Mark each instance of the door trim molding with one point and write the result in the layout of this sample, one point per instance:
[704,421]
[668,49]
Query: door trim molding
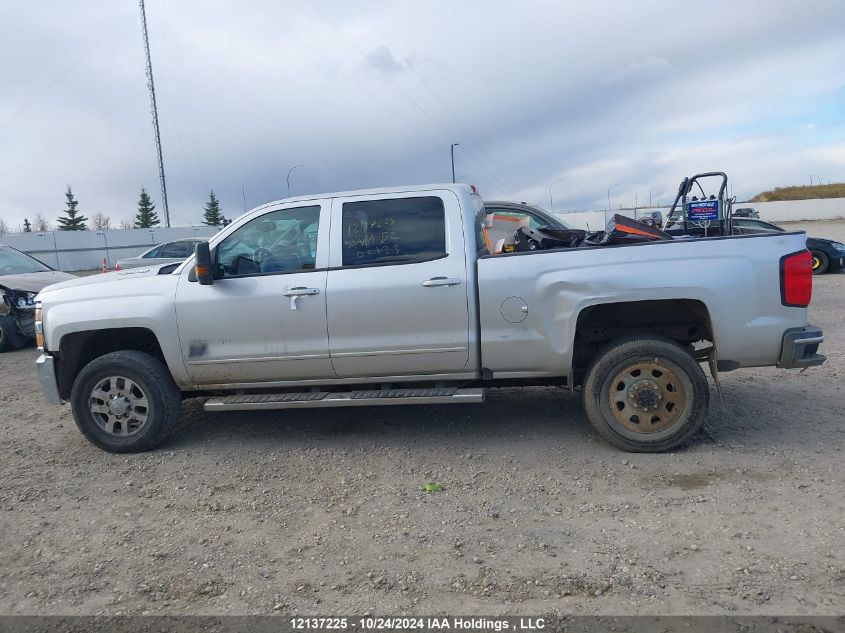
[388,352]
[259,359]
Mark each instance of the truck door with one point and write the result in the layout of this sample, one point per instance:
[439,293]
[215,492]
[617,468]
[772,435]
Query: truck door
[263,320]
[397,287]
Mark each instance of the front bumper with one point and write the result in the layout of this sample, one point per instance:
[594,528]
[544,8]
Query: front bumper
[46,370]
[800,348]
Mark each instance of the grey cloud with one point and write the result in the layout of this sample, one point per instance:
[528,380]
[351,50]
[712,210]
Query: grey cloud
[645,69]
[382,59]
[532,92]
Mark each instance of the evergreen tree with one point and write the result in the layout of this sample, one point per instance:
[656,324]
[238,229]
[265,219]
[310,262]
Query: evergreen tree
[147,217]
[74,220]
[27,227]
[212,215]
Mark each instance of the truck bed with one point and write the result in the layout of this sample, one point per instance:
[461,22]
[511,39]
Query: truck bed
[736,278]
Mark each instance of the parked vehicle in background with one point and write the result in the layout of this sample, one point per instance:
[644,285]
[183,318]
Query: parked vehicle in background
[21,278]
[391,296]
[746,212]
[827,254]
[167,253]
[652,218]
[503,218]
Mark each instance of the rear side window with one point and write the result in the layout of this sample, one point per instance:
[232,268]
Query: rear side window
[393,231]
[174,249]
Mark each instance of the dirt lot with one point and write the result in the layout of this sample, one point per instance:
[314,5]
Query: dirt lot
[323,511]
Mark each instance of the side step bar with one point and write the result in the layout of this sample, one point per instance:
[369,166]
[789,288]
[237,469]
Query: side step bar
[315,399]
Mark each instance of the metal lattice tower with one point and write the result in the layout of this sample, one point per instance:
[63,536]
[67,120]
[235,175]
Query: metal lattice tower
[151,86]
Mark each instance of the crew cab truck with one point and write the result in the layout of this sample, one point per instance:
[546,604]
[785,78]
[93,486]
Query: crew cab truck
[391,296]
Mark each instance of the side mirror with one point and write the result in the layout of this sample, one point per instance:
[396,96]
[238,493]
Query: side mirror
[202,266]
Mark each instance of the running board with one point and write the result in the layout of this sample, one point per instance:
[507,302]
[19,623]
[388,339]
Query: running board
[316,399]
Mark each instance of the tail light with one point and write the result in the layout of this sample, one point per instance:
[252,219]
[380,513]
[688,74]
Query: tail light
[117,267]
[796,279]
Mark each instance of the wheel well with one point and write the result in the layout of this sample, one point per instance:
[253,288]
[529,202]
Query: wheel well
[685,321]
[78,349]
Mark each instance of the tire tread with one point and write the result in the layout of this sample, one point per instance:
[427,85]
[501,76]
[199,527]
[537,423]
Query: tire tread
[158,377]
[610,355]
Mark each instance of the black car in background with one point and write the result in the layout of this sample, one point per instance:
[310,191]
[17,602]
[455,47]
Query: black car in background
[746,212]
[827,254]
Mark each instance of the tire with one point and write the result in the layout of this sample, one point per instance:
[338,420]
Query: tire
[10,337]
[820,262]
[137,399]
[645,394]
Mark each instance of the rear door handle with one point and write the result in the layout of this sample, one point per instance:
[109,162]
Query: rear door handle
[299,291]
[441,281]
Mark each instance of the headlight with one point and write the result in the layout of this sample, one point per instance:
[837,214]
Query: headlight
[25,300]
[838,246]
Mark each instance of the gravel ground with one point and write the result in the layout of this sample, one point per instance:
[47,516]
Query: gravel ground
[323,511]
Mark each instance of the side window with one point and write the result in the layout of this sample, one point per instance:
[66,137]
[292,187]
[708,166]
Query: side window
[502,225]
[518,218]
[152,253]
[749,228]
[393,231]
[174,249]
[278,242]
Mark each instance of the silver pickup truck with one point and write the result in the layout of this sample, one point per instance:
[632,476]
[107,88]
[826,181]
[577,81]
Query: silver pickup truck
[391,296]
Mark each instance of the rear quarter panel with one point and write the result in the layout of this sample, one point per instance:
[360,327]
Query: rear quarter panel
[737,279]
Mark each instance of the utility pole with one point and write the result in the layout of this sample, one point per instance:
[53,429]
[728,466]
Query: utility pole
[452,151]
[289,173]
[551,200]
[151,86]
[615,184]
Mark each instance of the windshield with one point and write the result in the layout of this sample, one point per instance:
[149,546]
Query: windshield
[14,262]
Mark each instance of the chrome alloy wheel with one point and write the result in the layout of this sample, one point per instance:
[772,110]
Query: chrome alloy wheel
[647,397]
[119,406]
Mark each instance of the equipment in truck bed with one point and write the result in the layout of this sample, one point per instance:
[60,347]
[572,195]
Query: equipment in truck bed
[708,215]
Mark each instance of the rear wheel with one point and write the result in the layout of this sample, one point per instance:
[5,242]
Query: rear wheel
[125,402]
[645,394]
[820,262]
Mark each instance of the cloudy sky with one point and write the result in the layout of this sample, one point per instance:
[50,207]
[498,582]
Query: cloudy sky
[366,93]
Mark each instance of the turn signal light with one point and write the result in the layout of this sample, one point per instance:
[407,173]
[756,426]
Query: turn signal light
[39,329]
[796,279]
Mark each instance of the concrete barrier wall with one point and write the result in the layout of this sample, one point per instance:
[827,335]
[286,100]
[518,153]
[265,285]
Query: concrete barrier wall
[785,211]
[794,210]
[85,250]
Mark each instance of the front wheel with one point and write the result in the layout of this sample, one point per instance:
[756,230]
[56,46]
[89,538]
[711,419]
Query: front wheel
[820,262]
[645,394]
[125,402]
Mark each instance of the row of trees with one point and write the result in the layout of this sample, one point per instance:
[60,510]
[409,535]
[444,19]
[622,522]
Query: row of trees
[146,217]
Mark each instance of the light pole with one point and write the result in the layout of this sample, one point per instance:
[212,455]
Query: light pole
[452,152]
[649,196]
[551,200]
[615,184]
[290,171]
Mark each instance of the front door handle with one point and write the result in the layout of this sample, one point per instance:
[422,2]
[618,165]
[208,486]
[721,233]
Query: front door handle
[434,282]
[299,291]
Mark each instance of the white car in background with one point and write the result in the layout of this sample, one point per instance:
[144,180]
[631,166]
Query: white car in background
[167,253]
